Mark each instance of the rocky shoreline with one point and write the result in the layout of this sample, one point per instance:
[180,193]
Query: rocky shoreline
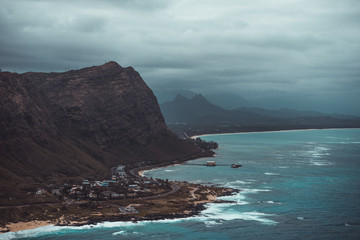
[188,200]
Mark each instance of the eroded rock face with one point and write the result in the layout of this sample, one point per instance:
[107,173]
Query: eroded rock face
[81,123]
[107,104]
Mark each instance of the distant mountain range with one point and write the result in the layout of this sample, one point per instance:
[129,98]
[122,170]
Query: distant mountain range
[198,115]
[344,105]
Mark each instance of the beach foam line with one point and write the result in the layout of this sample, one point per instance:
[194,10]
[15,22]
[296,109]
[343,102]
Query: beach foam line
[223,212]
[214,213]
[35,232]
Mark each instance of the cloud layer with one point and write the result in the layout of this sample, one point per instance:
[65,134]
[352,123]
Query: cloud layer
[247,46]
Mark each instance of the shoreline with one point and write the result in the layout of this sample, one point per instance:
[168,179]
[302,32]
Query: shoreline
[143,171]
[198,203]
[198,206]
[266,131]
[22,226]
[195,201]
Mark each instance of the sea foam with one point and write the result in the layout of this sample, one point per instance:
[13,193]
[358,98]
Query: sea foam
[223,212]
[272,174]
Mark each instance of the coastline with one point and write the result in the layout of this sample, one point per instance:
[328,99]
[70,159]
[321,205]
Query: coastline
[195,209]
[142,171]
[198,202]
[270,131]
[191,200]
[21,226]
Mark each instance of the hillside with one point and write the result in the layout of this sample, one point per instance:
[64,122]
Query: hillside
[63,127]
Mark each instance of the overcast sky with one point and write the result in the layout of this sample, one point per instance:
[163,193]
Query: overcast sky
[244,46]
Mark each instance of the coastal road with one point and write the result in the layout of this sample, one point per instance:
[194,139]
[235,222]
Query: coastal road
[174,187]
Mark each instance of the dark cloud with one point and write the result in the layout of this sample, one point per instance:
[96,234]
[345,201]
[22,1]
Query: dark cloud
[247,47]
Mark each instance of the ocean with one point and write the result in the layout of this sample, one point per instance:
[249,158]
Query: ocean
[293,185]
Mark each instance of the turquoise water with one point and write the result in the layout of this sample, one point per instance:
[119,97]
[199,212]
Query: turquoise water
[294,185]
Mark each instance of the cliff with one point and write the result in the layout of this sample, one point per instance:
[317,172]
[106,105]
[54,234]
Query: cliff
[58,127]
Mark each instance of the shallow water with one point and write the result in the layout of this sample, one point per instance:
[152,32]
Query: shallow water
[294,185]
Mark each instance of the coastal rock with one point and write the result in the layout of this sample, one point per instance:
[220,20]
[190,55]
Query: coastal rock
[56,127]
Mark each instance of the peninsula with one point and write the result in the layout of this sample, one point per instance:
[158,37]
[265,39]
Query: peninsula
[71,146]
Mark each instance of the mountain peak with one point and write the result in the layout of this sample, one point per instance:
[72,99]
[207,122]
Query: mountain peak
[110,65]
[199,98]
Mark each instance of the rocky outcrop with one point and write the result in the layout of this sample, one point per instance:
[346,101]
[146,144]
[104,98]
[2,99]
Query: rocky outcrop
[64,126]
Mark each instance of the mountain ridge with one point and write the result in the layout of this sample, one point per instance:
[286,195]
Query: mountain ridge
[58,127]
[198,115]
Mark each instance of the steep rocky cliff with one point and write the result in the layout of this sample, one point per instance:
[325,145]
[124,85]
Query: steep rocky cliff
[63,126]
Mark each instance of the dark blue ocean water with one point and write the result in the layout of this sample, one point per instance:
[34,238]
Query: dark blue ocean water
[294,185]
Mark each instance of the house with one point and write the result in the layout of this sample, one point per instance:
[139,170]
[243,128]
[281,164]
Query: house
[120,171]
[55,191]
[134,186]
[92,195]
[97,183]
[128,209]
[86,182]
[104,184]
[40,191]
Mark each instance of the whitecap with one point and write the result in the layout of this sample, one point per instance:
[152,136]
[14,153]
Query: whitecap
[320,163]
[269,202]
[211,223]
[271,174]
[254,190]
[119,233]
[300,218]
[238,199]
[237,184]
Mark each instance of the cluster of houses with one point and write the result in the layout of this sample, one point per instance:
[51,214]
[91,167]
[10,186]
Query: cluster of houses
[119,186]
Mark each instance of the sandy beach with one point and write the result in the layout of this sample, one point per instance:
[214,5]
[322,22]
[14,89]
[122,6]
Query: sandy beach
[142,172]
[20,226]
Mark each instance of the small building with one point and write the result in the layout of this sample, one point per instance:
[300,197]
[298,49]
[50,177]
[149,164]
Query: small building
[211,163]
[128,209]
[40,191]
[92,195]
[55,191]
[104,184]
[97,183]
[120,171]
[134,186]
[86,182]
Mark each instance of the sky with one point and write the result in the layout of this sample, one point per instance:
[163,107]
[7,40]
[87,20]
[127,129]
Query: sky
[255,48]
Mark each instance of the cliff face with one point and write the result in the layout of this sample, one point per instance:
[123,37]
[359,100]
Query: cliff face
[59,126]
